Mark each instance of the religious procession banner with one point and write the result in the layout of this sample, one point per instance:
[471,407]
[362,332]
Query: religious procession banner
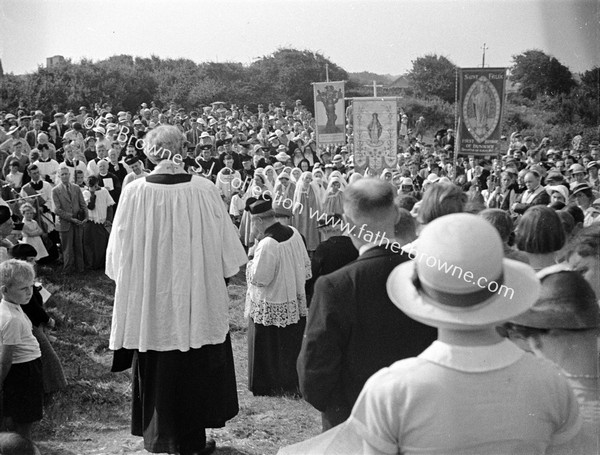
[375,123]
[481,105]
[330,113]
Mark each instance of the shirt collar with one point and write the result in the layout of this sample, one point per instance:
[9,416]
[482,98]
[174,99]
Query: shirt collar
[10,303]
[168,167]
[366,247]
[473,359]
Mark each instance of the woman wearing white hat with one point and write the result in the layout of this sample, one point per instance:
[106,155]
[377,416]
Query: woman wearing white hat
[470,392]
[558,193]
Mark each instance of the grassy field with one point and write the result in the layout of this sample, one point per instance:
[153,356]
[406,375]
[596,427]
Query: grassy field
[92,415]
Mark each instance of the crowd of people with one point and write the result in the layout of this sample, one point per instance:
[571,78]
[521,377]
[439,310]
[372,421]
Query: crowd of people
[175,202]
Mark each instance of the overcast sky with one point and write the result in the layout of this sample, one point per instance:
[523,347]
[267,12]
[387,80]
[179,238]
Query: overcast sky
[378,36]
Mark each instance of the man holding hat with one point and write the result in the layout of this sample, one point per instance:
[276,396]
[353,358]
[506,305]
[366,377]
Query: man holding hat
[275,301]
[470,391]
[71,211]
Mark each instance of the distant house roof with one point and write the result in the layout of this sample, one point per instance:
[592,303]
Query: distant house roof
[401,82]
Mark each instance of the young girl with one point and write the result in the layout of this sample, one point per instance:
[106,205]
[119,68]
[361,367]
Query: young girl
[306,205]
[334,196]
[32,232]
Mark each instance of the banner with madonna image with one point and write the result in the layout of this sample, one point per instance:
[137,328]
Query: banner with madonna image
[481,104]
[330,113]
[375,122]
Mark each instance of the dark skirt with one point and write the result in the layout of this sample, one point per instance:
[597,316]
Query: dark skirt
[53,374]
[272,355]
[95,242]
[176,395]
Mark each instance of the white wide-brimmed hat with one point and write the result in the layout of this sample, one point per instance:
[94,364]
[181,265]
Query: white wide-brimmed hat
[459,278]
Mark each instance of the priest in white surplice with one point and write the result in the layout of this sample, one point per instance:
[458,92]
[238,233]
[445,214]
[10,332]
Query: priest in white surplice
[171,247]
[275,301]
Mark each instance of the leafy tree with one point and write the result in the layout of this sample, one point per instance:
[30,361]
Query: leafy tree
[287,75]
[434,75]
[540,74]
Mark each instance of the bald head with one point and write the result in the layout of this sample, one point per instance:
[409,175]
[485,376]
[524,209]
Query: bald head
[370,203]
[369,198]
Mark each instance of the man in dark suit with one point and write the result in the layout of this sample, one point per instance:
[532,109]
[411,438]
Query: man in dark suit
[71,211]
[353,329]
[335,251]
[535,194]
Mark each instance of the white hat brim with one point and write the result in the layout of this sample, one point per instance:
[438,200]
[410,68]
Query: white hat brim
[501,307]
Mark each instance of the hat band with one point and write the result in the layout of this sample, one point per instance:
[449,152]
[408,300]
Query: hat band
[457,300]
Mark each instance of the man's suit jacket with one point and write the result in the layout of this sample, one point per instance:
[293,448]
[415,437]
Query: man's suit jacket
[67,204]
[542,198]
[354,330]
[31,138]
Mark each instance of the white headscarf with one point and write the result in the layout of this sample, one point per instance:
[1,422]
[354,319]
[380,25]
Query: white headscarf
[294,175]
[339,175]
[271,181]
[300,189]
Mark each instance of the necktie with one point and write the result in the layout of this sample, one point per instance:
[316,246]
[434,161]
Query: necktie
[68,188]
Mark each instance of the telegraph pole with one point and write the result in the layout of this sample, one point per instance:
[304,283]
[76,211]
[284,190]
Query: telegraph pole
[483,58]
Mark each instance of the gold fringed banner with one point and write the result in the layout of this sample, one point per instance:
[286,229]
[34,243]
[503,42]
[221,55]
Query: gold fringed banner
[375,122]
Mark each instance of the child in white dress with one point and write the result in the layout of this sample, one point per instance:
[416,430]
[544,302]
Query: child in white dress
[32,232]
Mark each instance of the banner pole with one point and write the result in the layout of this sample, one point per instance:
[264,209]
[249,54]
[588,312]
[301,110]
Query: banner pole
[457,119]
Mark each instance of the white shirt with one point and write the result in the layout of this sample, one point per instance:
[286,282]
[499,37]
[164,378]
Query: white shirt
[466,400]
[16,330]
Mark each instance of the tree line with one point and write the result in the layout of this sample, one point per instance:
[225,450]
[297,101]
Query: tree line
[543,84]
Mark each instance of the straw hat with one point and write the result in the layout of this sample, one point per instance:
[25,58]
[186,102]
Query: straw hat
[460,278]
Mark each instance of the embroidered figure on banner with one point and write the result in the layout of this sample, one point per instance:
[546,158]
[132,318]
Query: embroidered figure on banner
[375,129]
[330,98]
[481,109]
